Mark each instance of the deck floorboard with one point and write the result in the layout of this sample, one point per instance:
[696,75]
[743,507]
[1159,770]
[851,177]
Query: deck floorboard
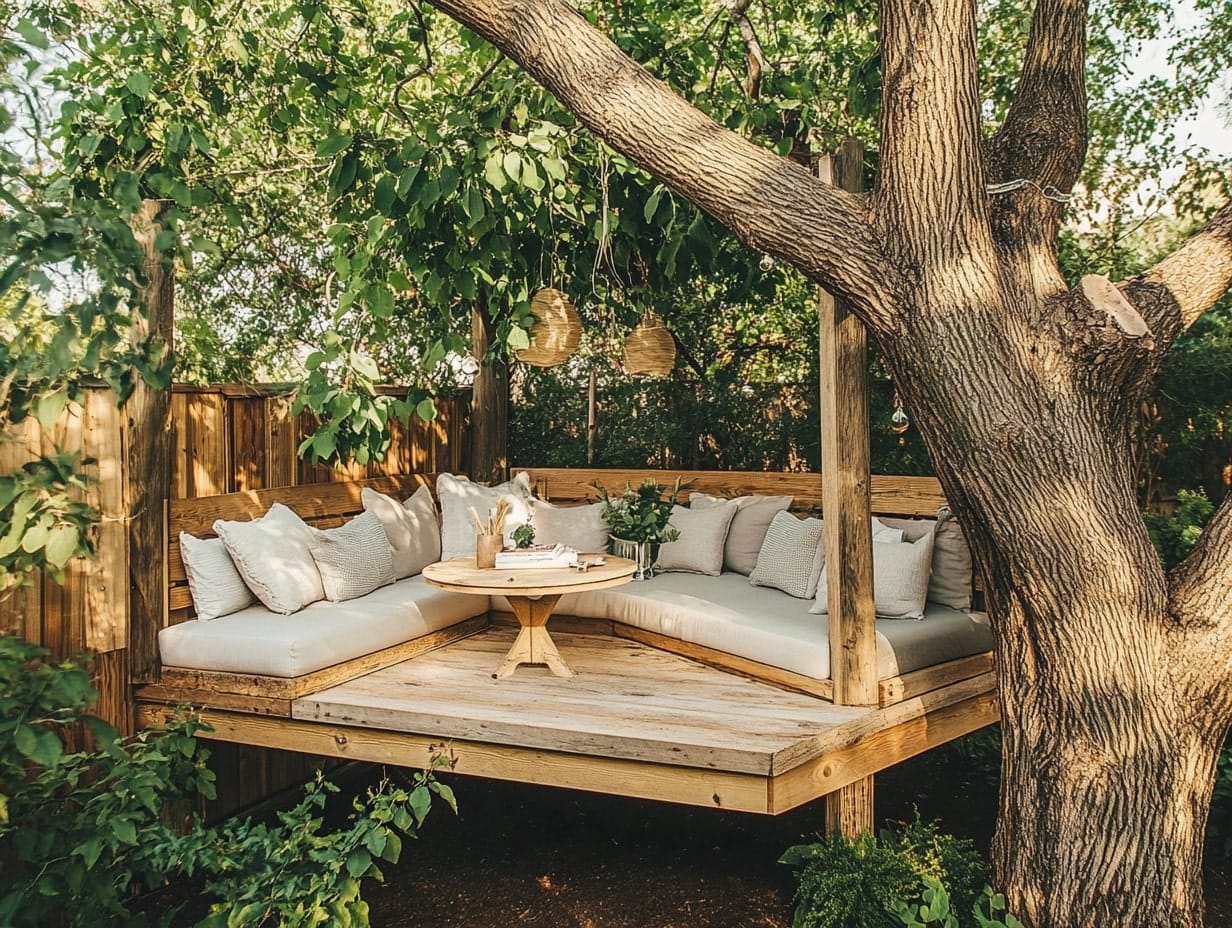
[627,700]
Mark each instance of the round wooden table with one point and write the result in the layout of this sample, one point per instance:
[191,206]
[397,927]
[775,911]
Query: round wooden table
[532,594]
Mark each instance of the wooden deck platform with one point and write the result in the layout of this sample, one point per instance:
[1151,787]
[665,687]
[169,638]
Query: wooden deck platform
[634,721]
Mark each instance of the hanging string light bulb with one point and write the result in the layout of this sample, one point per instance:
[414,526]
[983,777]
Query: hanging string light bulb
[899,422]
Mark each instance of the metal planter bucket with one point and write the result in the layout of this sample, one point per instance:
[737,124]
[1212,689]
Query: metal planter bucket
[641,553]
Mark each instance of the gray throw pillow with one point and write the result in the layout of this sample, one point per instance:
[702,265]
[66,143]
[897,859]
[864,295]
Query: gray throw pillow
[699,547]
[273,554]
[580,527]
[458,495]
[792,556]
[217,587]
[411,527]
[900,579]
[951,577]
[748,527]
[354,559]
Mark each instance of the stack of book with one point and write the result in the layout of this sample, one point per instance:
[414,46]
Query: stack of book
[537,556]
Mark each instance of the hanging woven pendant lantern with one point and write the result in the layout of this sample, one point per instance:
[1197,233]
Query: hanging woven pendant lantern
[650,348]
[556,332]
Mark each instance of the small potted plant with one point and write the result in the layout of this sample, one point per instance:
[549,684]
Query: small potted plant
[639,521]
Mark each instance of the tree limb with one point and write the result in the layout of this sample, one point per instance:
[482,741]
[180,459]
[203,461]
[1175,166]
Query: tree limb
[1044,137]
[1180,288]
[754,55]
[931,182]
[773,205]
[1201,588]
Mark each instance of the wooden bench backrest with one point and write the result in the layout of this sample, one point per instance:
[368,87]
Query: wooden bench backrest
[891,496]
[321,504]
[328,504]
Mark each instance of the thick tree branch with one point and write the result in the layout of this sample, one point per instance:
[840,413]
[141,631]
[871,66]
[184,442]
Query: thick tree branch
[754,56]
[1044,138]
[1180,288]
[773,205]
[1201,587]
[931,183]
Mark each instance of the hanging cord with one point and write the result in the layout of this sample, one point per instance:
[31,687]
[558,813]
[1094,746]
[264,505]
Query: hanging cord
[1048,192]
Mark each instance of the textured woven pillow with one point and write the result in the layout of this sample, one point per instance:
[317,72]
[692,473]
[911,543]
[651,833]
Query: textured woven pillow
[354,559]
[900,579]
[949,583]
[579,527]
[217,587]
[791,557]
[411,527]
[699,549]
[748,527]
[274,557]
[457,495]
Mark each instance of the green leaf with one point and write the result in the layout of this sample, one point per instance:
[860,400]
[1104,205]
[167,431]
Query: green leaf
[31,33]
[518,339]
[62,545]
[138,83]
[421,802]
[41,747]
[337,142]
[124,830]
[512,164]
[366,366]
[494,172]
[358,862]
[48,406]
[384,195]
[37,535]
[426,409]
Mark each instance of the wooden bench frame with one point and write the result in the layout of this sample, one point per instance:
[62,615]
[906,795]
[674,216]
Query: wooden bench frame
[329,504]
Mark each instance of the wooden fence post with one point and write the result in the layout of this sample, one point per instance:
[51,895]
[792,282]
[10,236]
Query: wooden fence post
[148,464]
[846,507]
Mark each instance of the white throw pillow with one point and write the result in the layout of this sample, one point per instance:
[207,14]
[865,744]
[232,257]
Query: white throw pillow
[900,579]
[354,559]
[579,527]
[411,526]
[949,582]
[458,495]
[273,554]
[792,556]
[699,548]
[217,587]
[748,527]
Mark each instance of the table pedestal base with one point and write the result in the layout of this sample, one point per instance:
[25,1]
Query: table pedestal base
[534,645]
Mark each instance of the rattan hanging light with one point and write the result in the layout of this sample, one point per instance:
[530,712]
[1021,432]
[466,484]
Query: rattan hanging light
[650,348]
[556,332]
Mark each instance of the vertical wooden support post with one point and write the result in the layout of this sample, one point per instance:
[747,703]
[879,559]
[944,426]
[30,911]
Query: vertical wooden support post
[592,418]
[147,474]
[846,504]
[489,405]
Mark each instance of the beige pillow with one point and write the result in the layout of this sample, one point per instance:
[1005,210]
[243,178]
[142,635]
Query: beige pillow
[217,587]
[748,527]
[411,527]
[580,527]
[699,548]
[274,556]
[900,579]
[457,495]
[354,559]
[950,581]
[791,557]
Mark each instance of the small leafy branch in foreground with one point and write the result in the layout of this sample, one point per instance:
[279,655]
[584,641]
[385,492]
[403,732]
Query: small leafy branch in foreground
[642,514]
[42,525]
[83,832]
[913,876]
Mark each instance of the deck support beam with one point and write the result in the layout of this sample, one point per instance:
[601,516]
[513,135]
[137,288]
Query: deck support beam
[847,505]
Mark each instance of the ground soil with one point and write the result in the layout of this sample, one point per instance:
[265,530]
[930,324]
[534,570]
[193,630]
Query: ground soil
[521,855]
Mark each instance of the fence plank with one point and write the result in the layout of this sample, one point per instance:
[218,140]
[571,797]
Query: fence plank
[106,578]
[21,611]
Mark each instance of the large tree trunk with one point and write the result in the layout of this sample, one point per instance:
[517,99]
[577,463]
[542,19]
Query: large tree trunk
[1114,676]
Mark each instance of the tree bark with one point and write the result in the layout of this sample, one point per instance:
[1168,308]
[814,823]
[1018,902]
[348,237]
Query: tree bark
[489,461]
[1114,678]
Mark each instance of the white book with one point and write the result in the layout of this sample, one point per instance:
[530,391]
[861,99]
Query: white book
[555,556]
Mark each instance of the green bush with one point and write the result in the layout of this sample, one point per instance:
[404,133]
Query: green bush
[1175,535]
[914,875]
[82,832]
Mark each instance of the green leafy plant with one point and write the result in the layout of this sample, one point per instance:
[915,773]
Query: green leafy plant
[524,535]
[1175,535]
[913,875]
[642,514]
[83,831]
[42,525]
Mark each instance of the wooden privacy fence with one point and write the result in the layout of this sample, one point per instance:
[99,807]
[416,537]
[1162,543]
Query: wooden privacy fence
[224,438]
